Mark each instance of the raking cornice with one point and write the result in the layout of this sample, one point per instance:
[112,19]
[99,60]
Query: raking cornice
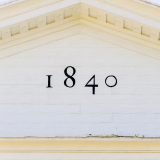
[79,11]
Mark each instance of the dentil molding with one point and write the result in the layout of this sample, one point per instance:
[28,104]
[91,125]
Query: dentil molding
[83,11]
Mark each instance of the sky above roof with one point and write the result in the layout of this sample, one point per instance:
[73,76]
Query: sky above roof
[155,1]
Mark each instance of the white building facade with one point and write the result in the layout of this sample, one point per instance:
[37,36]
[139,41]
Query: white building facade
[86,72]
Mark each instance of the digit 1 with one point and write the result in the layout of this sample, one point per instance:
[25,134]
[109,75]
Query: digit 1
[115,81]
[92,85]
[49,81]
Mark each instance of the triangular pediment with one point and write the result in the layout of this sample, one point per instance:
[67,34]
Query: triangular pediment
[32,106]
[95,38]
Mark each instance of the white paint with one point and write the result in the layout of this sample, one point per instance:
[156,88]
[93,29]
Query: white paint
[28,108]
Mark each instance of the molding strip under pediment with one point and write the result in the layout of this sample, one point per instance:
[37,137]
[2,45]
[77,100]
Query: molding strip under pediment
[79,145]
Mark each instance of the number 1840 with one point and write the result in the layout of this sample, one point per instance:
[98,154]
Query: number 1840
[93,85]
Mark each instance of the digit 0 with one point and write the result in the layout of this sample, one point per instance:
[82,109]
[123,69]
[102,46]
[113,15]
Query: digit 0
[115,81]
[69,77]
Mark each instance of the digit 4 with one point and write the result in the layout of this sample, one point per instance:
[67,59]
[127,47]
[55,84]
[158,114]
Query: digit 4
[92,85]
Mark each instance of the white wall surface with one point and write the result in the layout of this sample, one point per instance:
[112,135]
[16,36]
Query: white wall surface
[28,108]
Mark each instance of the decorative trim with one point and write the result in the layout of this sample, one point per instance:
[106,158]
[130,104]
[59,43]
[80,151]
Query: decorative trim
[32,9]
[56,32]
[79,145]
[129,10]
[83,12]
[53,17]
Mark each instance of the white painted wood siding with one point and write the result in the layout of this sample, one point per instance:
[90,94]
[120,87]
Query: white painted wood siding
[28,108]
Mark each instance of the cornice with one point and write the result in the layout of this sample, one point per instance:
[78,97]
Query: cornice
[58,31]
[83,11]
[38,6]
[132,10]
[79,145]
